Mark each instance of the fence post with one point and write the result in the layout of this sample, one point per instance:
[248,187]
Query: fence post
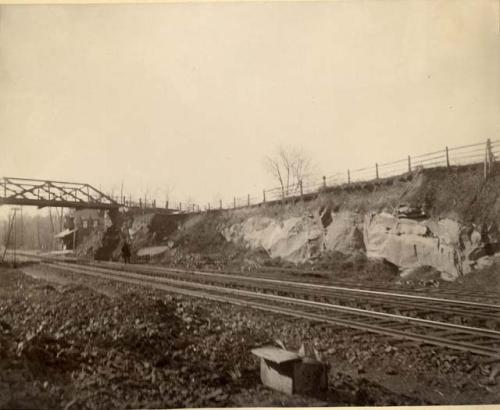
[248,199]
[180,206]
[488,156]
[264,195]
[301,188]
[166,204]
[324,181]
[282,192]
[447,158]
[376,170]
[154,203]
[409,163]
[490,153]
[234,202]
[220,203]
[140,202]
[348,176]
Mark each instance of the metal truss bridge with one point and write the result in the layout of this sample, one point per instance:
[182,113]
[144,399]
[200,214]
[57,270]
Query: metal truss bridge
[43,193]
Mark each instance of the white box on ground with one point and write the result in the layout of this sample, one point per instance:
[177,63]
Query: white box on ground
[290,373]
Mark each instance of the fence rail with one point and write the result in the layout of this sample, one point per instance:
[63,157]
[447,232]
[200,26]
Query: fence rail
[485,152]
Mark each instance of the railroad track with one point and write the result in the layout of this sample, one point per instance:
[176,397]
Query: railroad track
[300,276]
[296,275]
[326,277]
[406,304]
[485,342]
[389,302]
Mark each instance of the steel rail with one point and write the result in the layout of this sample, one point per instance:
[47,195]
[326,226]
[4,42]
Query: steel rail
[282,298]
[382,303]
[291,272]
[452,306]
[407,305]
[261,276]
[351,316]
[312,286]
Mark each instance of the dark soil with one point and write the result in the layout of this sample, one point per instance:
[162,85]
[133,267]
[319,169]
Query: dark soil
[65,345]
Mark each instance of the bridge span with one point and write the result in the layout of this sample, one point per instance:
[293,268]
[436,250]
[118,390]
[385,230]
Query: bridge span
[44,193]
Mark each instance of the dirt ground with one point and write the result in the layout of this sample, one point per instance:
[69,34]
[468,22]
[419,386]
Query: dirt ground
[70,342]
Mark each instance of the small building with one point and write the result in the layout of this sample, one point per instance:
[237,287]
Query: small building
[82,223]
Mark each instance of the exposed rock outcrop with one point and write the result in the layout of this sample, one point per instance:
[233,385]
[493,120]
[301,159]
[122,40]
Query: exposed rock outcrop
[409,244]
[295,239]
[344,233]
[445,244]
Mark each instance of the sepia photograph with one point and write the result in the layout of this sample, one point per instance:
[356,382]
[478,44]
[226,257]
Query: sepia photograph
[238,204]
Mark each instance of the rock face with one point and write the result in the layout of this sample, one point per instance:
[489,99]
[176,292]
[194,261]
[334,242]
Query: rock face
[295,239]
[444,245]
[409,244]
[344,233]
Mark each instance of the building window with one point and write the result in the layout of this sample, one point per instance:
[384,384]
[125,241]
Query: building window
[96,223]
[85,224]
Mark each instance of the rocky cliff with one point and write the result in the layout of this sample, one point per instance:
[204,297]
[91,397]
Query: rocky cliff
[446,219]
[408,229]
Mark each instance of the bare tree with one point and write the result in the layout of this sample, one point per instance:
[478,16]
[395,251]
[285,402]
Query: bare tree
[289,165]
[189,204]
[146,193]
[169,194]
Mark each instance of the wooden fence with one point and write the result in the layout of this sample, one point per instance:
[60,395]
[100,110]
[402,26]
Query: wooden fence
[485,152]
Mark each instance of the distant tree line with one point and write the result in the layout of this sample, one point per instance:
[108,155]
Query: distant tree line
[32,231]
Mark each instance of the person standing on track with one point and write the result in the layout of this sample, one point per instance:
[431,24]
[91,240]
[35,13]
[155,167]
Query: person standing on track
[126,252]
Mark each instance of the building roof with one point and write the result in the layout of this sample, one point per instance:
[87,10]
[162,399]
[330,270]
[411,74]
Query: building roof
[64,233]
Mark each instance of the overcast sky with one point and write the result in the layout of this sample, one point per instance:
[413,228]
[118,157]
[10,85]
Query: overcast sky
[193,96]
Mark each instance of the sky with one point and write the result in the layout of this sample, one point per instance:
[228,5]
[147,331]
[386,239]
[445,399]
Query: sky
[189,98]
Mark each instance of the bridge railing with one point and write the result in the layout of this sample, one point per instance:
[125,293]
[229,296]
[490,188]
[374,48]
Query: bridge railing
[24,191]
